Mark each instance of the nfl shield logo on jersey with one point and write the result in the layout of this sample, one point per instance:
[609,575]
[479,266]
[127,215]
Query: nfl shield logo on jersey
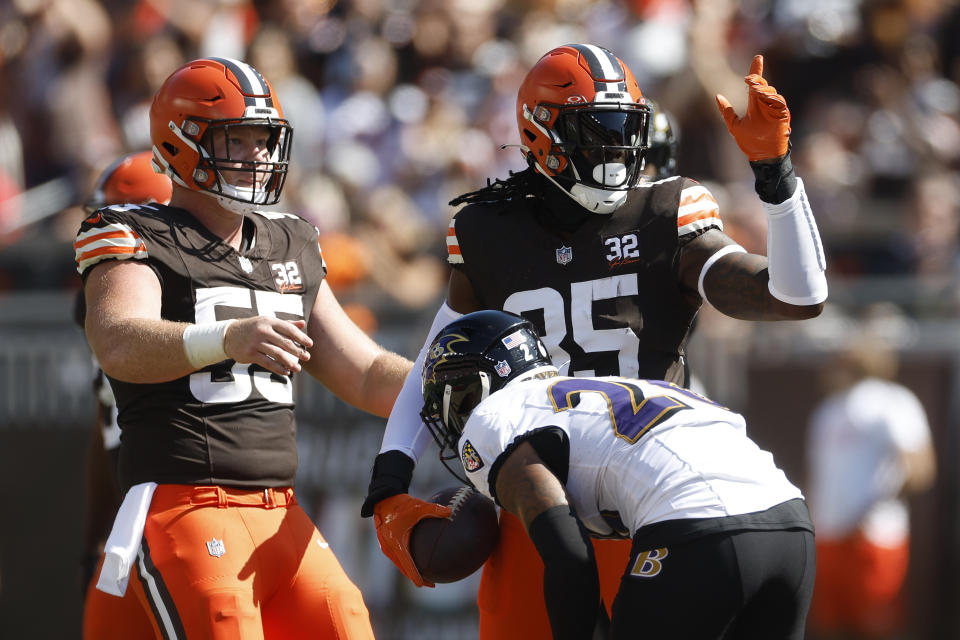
[503,368]
[245,264]
[471,459]
[215,548]
[564,255]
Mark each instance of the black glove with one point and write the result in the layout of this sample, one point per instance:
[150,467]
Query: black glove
[775,182]
[392,473]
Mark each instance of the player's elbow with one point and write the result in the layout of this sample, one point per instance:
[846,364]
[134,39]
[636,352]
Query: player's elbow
[808,311]
[115,361]
[782,310]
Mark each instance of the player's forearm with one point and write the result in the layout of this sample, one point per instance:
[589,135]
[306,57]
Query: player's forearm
[140,350]
[570,586]
[739,286]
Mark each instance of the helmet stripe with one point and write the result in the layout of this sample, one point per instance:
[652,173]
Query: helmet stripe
[256,92]
[604,67]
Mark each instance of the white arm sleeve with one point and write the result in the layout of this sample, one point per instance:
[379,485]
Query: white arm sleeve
[797,264]
[405,431]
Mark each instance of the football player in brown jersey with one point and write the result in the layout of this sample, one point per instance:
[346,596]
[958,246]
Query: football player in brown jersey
[129,180]
[610,268]
[200,313]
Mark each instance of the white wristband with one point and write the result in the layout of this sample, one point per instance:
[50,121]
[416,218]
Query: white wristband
[203,343]
[795,252]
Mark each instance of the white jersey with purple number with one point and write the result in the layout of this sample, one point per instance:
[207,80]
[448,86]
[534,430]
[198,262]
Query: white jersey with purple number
[645,449]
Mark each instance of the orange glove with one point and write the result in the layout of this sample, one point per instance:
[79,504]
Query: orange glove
[762,134]
[395,518]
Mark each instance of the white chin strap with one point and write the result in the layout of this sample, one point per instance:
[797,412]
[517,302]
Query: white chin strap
[248,199]
[243,206]
[598,200]
[592,199]
[236,206]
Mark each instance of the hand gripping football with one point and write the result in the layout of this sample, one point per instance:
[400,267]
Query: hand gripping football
[450,549]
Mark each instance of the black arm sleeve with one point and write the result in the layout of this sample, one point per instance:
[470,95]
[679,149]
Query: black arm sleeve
[392,472]
[774,182]
[570,585]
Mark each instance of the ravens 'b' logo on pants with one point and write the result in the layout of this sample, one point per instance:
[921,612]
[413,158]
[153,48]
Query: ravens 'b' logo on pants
[649,563]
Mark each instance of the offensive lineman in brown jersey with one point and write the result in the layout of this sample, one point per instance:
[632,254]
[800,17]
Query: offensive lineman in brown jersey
[199,313]
[611,270]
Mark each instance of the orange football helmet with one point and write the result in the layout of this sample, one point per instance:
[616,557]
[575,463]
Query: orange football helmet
[207,98]
[130,180]
[584,124]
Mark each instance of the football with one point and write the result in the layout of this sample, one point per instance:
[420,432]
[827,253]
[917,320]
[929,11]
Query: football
[450,549]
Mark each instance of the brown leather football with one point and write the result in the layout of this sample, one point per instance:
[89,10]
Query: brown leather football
[450,549]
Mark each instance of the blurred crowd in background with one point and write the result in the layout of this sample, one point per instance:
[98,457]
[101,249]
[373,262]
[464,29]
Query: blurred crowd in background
[400,105]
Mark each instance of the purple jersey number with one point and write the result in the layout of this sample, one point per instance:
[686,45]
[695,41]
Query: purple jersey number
[631,414]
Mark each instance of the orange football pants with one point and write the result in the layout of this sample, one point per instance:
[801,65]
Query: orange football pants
[511,587]
[228,564]
[107,617]
[859,587]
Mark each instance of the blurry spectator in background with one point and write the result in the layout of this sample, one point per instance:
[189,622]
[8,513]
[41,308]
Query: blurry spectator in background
[131,179]
[68,103]
[869,447]
[933,224]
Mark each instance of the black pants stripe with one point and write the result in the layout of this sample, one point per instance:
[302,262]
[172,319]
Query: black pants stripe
[158,596]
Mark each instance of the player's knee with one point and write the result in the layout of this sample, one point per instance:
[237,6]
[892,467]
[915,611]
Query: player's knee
[230,613]
[346,602]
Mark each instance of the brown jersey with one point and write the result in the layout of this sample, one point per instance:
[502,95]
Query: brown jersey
[606,298]
[229,424]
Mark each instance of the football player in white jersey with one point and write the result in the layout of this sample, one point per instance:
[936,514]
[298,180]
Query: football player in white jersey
[723,544]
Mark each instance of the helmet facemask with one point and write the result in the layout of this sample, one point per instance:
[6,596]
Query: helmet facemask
[449,399]
[597,152]
[264,178]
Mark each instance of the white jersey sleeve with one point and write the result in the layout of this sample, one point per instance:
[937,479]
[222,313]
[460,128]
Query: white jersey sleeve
[405,431]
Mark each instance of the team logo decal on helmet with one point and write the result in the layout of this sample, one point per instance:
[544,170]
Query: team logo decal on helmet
[197,110]
[584,124]
[440,349]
